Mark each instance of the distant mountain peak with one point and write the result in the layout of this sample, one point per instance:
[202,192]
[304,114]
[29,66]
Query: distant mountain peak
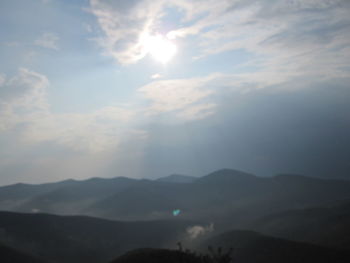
[177,178]
[226,175]
[227,171]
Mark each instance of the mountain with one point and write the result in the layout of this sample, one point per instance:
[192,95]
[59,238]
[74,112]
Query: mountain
[227,175]
[66,197]
[324,225]
[293,207]
[84,239]
[227,197]
[10,255]
[146,200]
[252,247]
[177,178]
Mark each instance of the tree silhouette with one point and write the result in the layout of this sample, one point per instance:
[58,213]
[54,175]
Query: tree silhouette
[213,256]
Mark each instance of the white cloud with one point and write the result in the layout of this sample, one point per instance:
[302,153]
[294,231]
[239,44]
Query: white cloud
[24,102]
[22,97]
[95,132]
[48,40]
[197,112]
[26,90]
[156,76]
[124,23]
[305,37]
[178,94]
[300,37]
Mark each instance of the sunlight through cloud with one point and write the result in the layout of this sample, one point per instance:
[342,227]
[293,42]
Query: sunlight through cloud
[160,48]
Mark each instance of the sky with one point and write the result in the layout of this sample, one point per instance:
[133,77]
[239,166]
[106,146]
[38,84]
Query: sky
[148,88]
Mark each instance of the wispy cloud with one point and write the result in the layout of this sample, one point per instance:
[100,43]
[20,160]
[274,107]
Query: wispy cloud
[197,112]
[124,23]
[48,40]
[303,37]
[185,96]
[299,36]
[12,44]
[2,79]
[24,102]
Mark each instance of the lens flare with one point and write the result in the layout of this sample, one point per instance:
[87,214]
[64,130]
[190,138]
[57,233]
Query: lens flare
[176,212]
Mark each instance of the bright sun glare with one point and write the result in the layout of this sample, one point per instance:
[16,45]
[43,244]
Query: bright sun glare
[160,48]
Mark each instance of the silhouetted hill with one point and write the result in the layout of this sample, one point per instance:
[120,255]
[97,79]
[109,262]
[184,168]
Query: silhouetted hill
[327,226]
[148,255]
[10,255]
[177,178]
[248,247]
[252,247]
[84,239]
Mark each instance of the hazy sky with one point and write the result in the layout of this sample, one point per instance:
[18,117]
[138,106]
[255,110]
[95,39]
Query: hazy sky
[144,88]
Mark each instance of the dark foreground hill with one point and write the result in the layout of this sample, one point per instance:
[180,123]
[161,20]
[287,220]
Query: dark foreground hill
[325,225]
[149,255]
[248,247]
[252,247]
[10,255]
[84,239]
[79,239]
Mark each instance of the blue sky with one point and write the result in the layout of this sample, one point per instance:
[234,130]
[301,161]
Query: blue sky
[261,86]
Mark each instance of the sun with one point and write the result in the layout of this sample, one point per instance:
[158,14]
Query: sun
[160,48]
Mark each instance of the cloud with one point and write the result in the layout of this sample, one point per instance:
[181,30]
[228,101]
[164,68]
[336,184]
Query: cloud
[22,97]
[197,231]
[156,76]
[95,132]
[124,23]
[197,112]
[24,103]
[27,89]
[2,79]
[12,44]
[48,40]
[179,95]
[308,38]
[192,99]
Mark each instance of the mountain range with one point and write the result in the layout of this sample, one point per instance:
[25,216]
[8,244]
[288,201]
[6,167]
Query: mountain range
[99,219]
